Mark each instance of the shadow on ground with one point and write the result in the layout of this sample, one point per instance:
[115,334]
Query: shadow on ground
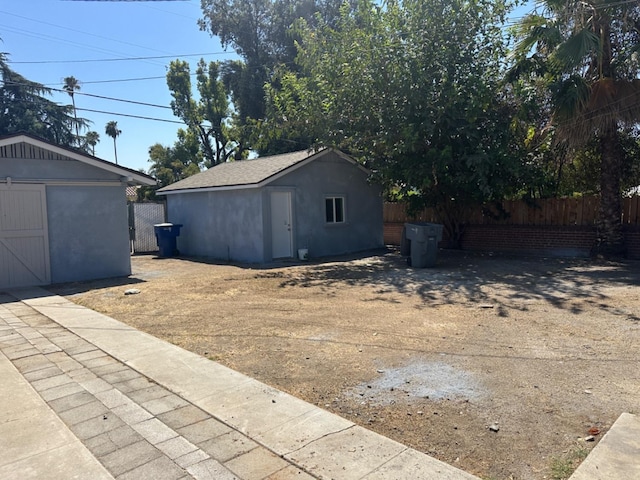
[500,281]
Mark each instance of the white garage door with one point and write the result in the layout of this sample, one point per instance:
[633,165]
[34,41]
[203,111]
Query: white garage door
[24,241]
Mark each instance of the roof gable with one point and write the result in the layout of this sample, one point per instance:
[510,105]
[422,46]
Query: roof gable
[27,146]
[248,173]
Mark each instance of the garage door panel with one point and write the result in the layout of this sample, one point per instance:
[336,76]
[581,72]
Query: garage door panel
[28,203]
[24,245]
[22,259]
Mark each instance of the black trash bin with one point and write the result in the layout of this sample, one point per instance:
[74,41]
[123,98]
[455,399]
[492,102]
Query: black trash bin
[166,234]
[424,238]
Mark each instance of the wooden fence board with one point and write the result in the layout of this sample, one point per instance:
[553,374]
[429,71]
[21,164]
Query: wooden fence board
[551,211]
[634,210]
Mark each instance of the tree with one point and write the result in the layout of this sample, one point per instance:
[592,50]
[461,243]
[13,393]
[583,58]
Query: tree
[586,54]
[112,130]
[25,108]
[206,117]
[413,90]
[171,164]
[91,140]
[71,85]
[260,32]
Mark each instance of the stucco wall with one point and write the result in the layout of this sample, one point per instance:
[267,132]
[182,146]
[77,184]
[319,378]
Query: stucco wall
[88,232]
[326,176]
[29,169]
[226,225]
[87,224]
[235,224]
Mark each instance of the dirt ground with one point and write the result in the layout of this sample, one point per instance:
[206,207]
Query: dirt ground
[501,366]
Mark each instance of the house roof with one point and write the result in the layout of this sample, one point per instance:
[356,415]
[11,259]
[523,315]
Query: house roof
[130,176]
[247,173]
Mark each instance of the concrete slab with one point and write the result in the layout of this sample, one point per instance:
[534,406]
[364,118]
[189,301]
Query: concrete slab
[617,456]
[412,464]
[33,440]
[290,473]
[68,462]
[256,464]
[349,454]
[254,408]
[302,430]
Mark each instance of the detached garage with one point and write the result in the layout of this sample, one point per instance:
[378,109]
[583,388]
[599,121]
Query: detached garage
[63,214]
[270,207]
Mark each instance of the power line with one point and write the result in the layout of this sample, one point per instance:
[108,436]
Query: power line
[115,99]
[163,77]
[118,59]
[126,0]
[129,115]
[96,96]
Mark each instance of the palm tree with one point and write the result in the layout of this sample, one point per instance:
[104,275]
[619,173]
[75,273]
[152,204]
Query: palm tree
[112,130]
[92,138]
[587,51]
[71,84]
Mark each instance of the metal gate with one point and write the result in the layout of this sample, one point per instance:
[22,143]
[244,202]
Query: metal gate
[142,218]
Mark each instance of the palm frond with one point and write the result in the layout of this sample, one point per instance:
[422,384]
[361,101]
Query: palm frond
[572,53]
[609,102]
[571,97]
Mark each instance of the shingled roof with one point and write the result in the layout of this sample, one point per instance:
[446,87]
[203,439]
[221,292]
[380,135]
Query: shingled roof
[243,174]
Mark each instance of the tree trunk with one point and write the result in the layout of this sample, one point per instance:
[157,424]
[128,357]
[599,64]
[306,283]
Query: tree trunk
[610,240]
[115,150]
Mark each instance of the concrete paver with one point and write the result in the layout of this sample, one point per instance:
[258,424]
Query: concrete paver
[33,440]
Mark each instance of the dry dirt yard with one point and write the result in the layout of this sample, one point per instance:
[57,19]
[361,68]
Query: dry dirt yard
[545,351]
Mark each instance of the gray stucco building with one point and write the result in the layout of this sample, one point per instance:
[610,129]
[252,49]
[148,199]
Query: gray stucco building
[63,214]
[269,208]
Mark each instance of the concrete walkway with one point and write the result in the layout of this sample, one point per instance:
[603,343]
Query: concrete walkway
[85,396]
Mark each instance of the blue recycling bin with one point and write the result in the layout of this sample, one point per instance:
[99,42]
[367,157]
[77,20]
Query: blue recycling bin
[166,234]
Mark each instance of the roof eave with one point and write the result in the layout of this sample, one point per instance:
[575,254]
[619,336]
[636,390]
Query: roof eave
[131,177]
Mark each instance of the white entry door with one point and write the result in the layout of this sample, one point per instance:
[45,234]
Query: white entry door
[281,236]
[24,239]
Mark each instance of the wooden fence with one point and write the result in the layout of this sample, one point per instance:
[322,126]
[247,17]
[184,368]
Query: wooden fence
[581,211]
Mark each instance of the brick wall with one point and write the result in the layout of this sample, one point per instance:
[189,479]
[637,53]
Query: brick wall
[542,240]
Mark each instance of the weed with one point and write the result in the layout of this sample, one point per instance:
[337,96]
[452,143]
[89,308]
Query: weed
[562,468]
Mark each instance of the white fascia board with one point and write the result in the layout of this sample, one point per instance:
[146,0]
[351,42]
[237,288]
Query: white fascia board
[212,189]
[130,175]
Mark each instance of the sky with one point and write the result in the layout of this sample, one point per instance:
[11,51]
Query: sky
[101,44]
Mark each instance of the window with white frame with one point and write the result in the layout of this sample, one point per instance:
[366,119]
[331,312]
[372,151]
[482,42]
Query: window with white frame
[334,208]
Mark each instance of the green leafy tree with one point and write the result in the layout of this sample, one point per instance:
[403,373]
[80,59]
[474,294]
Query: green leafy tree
[24,107]
[586,53]
[112,130]
[412,89]
[260,32]
[207,117]
[171,164]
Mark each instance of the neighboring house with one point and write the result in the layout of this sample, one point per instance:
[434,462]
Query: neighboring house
[268,208]
[63,214]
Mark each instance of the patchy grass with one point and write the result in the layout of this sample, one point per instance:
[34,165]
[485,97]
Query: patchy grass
[563,467]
